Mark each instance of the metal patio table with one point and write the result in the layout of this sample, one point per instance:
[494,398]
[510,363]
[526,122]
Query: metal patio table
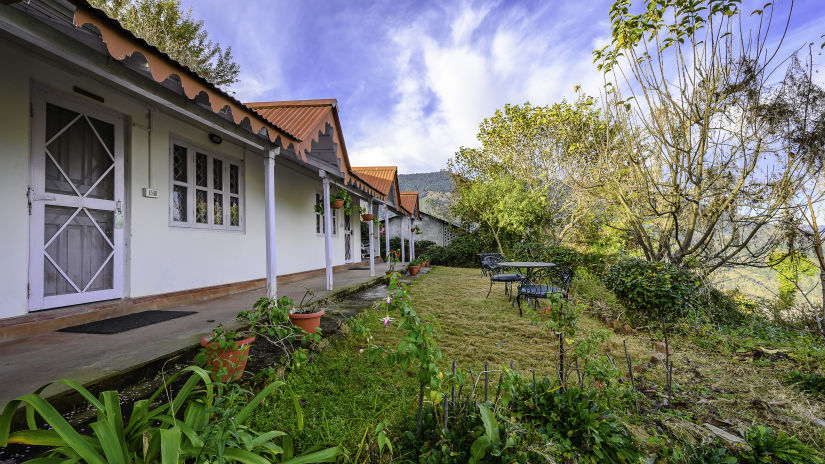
[525,268]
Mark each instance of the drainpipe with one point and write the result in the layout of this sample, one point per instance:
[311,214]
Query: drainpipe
[327,227]
[269,213]
[372,242]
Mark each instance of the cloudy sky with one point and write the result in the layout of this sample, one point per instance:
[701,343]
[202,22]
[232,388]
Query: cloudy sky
[413,79]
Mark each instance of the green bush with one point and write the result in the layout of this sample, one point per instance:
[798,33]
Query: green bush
[651,290]
[594,262]
[809,383]
[424,244]
[461,252]
[776,447]
[573,418]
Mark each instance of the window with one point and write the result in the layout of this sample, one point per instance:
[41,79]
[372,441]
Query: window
[320,225]
[207,189]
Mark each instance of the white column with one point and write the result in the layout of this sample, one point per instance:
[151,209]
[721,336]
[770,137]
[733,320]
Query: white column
[327,228]
[412,241]
[386,232]
[401,226]
[372,242]
[269,213]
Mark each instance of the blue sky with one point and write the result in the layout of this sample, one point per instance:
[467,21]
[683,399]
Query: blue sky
[414,79]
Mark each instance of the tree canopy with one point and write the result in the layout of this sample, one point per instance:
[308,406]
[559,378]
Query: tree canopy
[164,24]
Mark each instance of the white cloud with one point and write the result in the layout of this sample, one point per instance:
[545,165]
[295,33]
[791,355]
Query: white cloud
[445,86]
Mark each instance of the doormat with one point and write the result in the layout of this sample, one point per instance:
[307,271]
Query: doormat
[120,324]
[359,269]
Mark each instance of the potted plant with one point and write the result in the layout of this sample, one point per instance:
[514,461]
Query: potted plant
[415,266]
[226,352]
[338,200]
[307,314]
[365,216]
[425,260]
[416,230]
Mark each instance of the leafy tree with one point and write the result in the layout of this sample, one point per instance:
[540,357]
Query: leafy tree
[165,25]
[530,144]
[789,265]
[705,161]
[502,205]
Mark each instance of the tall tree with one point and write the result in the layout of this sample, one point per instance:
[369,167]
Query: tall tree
[705,165]
[530,144]
[164,24]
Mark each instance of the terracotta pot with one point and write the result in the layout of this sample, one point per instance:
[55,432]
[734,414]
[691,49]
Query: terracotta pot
[336,204]
[426,263]
[414,270]
[412,229]
[366,217]
[308,322]
[234,360]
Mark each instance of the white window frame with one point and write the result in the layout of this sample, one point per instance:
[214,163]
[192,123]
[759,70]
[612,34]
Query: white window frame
[226,161]
[320,217]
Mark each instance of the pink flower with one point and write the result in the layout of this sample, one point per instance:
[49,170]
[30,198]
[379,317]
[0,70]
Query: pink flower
[382,230]
[386,321]
[389,299]
[361,351]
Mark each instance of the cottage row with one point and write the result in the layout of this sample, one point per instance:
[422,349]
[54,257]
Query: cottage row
[125,175]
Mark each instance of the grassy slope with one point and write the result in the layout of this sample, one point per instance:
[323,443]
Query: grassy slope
[343,394]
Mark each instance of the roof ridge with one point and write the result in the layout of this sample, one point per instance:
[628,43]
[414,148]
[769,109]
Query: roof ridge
[294,103]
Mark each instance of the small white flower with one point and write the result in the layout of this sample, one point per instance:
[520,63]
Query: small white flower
[361,351]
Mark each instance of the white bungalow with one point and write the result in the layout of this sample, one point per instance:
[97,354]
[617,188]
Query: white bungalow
[397,204]
[126,175]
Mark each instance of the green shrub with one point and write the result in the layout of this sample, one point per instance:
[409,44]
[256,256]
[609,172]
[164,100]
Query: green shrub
[594,262]
[809,383]
[651,290]
[204,422]
[574,419]
[713,452]
[776,447]
[461,252]
[424,244]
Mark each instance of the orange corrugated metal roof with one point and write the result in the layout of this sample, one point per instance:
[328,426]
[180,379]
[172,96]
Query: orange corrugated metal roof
[297,118]
[409,201]
[379,177]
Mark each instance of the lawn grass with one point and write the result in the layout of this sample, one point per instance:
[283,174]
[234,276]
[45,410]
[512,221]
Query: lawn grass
[343,394]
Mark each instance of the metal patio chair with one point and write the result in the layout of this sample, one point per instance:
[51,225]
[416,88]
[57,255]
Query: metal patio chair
[544,282]
[489,259]
[497,274]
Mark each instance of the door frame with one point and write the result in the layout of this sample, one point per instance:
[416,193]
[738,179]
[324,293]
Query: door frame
[40,95]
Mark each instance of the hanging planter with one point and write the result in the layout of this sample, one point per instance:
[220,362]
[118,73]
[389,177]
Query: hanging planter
[366,217]
[337,204]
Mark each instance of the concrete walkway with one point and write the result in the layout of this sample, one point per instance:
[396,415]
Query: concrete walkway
[30,363]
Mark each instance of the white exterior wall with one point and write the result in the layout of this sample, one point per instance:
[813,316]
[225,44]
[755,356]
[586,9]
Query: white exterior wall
[159,258]
[431,229]
[299,248]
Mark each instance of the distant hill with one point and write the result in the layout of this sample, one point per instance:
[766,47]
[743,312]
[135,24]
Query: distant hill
[425,182]
[434,189]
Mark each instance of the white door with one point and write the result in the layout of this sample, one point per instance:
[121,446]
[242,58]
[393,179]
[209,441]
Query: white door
[75,203]
[347,238]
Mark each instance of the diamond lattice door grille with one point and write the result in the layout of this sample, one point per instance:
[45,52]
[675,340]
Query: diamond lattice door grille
[78,241]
